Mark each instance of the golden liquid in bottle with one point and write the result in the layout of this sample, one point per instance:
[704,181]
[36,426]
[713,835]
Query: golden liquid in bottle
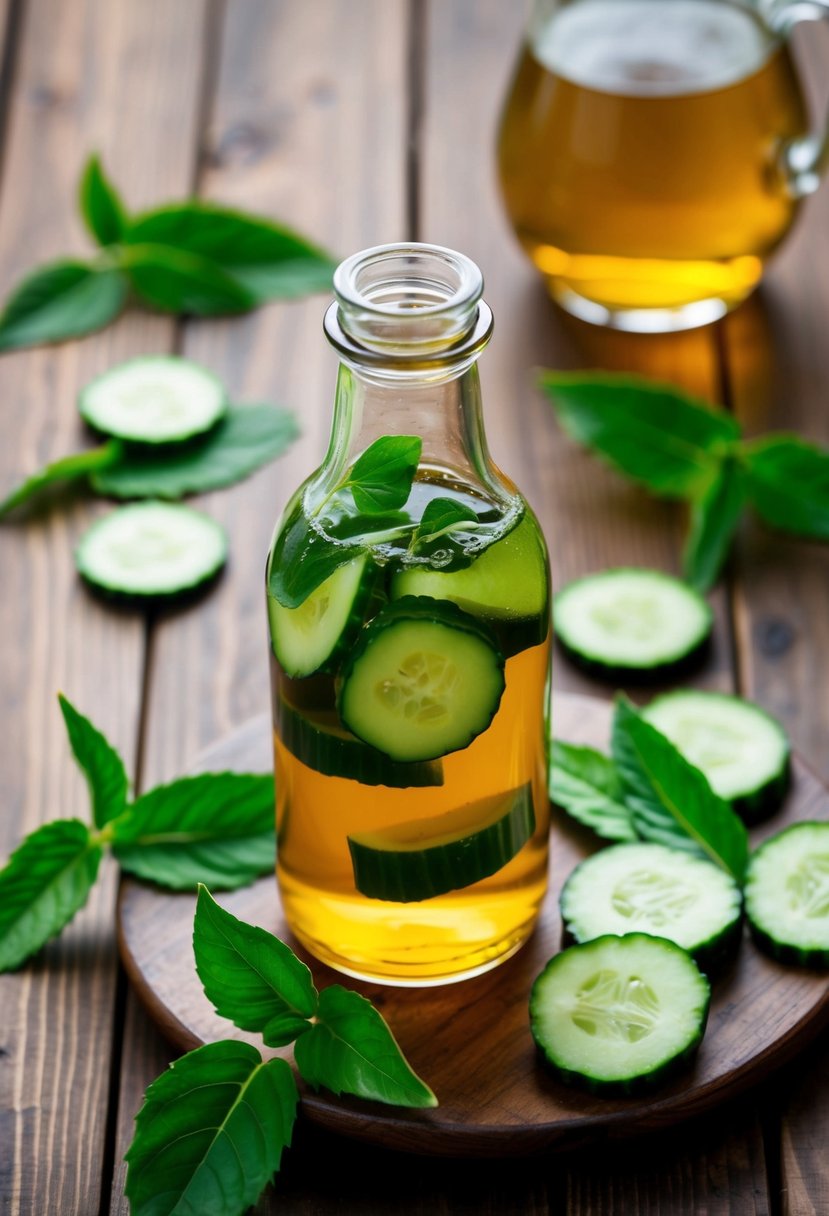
[637,154]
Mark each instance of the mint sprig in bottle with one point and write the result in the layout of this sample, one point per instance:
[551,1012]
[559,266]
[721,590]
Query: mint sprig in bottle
[408,604]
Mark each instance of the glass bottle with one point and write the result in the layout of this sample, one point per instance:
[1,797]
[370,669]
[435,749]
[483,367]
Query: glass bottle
[408,603]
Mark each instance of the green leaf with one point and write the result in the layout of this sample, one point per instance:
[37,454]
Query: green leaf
[67,468]
[61,300]
[381,479]
[215,828]
[584,782]
[102,766]
[302,559]
[350,1049]
[788,484]
[266,259]
[101,206]
[715,515]
[248,437]
[210,1134]
[653,433]
[671,801]
[175,281]
[442,515]
[250,976]
[45,882]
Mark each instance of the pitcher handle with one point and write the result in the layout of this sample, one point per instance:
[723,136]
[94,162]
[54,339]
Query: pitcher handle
[802,161]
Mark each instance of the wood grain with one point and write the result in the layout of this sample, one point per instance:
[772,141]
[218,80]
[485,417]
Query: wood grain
[123,79]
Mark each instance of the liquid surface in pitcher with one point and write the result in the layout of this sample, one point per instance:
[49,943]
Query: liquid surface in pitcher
[637,152]
[374,877]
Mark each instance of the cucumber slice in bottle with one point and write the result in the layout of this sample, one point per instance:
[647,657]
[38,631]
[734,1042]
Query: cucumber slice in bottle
[421,858]
[316,738]
[424,680]
[787,894]
[631,624]
[648,888]
[154,399]
[309,638]
[743,751]
[151,550]
[619,1014]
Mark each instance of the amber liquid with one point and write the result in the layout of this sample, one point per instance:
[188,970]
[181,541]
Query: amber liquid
[637,154]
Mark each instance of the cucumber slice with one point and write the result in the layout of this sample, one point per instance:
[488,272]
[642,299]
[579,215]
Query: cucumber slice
[787,894]
[422,858]
[151,550]
[743,751]
[648,888]
[309,638]
[507,585]
[631,624]
[619,1014]
[424,680]
[154,399]
[317,739]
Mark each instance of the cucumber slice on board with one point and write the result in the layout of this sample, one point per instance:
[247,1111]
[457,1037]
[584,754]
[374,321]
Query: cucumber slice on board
[743,751]
[787,894]
[630,624]
[316,738]
[309,638]
[619,1014]
[422,858]
[151,550]
[647,888]
[424,680]
[154,399]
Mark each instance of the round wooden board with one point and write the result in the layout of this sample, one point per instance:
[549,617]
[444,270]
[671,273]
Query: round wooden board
[471,1041]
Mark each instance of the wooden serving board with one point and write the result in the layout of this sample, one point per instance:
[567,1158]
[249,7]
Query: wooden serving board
[471,1041]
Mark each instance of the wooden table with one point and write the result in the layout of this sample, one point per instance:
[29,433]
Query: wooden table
[360,121]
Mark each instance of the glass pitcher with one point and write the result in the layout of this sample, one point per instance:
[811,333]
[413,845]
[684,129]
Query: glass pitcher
[408,603]
[652,153]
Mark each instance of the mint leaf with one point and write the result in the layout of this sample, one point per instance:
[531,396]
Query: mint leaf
[442,515]
[47,879]
[788,484]
[175,281]
[248,437]
[101,206]
[585,783]
[102,766]
[61,300]
[250,976]
[210,1134]
[264,259]
[215,828]
[715,515]
[670,800]
[350,1049]
[381,479]
[67,468]
[302,560]
[653,433]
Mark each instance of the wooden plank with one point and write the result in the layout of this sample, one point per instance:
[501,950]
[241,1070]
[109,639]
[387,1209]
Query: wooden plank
[123,79]
[308,125]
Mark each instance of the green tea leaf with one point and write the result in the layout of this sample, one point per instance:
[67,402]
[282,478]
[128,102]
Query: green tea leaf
[302,559]
[175,281]
[248,437]
[350,1049]
[670,800]
[215,828]
[788,484]
[265,259]
[441,516]
[61,300]
[47,879]
[101,205]
[653,433]
[381,479]
[67,468]
[250,976]
[586,785]
[210,1134]
[102,766]
[715,515]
